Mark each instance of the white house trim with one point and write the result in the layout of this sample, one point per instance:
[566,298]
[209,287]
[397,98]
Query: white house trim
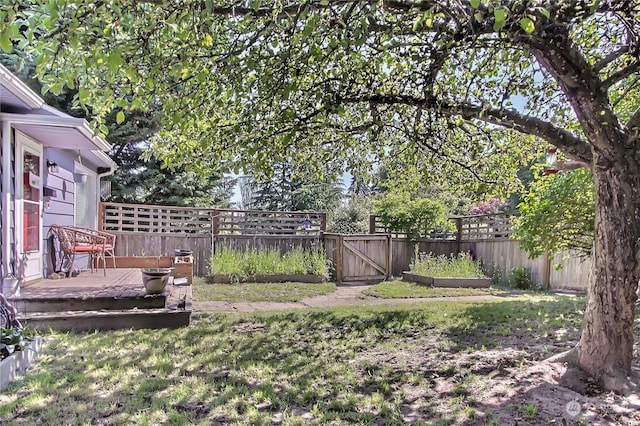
[24,122]
[18,90]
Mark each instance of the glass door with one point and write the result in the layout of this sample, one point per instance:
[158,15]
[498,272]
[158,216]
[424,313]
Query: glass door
[29,207]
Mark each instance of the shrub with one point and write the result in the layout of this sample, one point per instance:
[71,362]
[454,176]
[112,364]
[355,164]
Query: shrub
[414,217]
[520,277]
[352,217]
[460,266]
[558,214]
[495,205]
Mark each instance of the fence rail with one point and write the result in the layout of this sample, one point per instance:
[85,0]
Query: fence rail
[252,222]
[116,217]
[495,226]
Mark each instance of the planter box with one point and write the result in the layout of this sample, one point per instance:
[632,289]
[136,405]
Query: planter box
[12,367]
[183,268]
[301,278]
[447,282]
[142,261]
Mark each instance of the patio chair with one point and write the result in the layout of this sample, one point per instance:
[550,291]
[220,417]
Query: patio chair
[75,240]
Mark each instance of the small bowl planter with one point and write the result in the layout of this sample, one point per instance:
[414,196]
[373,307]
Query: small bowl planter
[13,366]
[278,278]
[155,279]
[462,282]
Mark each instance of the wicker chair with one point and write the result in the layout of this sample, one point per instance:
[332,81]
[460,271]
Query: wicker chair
[75,240]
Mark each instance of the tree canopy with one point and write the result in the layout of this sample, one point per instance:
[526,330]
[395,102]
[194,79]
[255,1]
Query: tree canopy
[557,214]
[346,83]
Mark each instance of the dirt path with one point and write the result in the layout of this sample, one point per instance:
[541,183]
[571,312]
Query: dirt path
[343,296]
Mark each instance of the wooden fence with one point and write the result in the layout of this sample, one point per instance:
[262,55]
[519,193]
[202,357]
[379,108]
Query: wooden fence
[496,226]
[499,257]
[487,237]
[359,257]
[144,230]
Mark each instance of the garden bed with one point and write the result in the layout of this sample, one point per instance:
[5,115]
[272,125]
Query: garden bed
[14,365]
[275,278]
[446,281]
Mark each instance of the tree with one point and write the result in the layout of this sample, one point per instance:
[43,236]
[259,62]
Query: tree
[432,81]
[557,214]
[406,214]
[352,216]
[291,190]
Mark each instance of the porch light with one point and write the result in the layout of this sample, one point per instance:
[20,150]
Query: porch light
[79,177]
[52,166]
[551,161]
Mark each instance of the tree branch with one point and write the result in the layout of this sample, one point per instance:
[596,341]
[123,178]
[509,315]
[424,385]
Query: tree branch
[621,74]
[572,145]
[598,66]
[634,123]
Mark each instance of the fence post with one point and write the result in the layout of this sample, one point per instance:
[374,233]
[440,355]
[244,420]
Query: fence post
[372,224]
[458,234]
[389,267]
[323,222]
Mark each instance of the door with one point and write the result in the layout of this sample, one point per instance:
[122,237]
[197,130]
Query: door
[29,207]
[362,257]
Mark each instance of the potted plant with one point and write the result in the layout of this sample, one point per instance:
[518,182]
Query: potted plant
[19,347]
[155,279]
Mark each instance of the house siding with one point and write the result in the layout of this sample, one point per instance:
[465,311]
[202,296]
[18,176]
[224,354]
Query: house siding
[60,210]
[2,209]
[11,268]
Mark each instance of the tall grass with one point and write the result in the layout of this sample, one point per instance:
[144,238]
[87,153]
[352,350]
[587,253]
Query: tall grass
[228,261]
[460,266]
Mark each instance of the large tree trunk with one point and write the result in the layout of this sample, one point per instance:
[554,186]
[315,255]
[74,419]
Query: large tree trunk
[605,349]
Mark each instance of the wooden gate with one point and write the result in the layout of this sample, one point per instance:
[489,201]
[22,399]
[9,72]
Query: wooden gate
[359,257]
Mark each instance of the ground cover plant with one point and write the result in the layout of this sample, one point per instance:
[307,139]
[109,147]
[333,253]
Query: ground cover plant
[258,292]
[460,266]
[241,264]
[437,363]
[395,289]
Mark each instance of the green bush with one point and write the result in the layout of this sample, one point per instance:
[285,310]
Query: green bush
[520,277]
[558,214]
[269,262]
[460,266]
[350,218]
[403,214]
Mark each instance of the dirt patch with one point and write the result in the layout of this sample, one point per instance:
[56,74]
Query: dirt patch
[506,386]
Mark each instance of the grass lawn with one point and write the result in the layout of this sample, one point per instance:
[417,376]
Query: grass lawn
[365,365]
[255,292]
[398,289]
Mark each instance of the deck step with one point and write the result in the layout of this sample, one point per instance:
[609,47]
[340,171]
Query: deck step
[174,312]
[108,319]
[94,303]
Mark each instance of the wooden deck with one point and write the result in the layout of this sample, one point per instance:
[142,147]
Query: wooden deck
[124,282]
[93,301]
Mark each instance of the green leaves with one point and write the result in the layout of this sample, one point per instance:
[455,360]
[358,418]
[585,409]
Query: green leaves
[120,117]
[558,214]
[500,17]
[527,25]
[404,214]
[5,41]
